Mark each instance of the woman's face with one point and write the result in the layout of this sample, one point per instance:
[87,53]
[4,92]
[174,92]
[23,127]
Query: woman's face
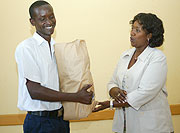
[139,37]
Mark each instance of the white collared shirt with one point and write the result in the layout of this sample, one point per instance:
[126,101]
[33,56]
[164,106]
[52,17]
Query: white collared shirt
[147,94]
[36,63]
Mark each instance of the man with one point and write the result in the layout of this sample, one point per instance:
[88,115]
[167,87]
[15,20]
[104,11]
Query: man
[39,92]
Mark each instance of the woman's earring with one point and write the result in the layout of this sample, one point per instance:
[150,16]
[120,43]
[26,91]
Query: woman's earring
[148,40]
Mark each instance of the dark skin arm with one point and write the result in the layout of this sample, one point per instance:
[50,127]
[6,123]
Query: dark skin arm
[120,99]
[106,104]
[39,92]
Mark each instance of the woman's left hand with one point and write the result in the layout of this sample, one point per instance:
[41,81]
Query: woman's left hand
[118,94]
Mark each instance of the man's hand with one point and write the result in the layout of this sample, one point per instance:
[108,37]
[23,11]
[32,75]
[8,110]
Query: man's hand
[38,92]
[101,106]
[118,94]
[83,96]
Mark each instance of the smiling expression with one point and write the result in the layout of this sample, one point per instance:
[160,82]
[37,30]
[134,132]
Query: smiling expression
[44,21]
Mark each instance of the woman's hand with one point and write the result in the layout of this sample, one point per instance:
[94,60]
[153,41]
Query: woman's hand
[101,106]
[118,94]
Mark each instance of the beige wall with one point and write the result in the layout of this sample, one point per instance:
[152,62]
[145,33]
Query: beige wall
[104,24]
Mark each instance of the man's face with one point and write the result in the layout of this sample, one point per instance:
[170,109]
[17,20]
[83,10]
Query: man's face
[44,21]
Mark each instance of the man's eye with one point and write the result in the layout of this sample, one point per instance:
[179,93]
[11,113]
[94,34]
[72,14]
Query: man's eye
[52,17]
[42,19]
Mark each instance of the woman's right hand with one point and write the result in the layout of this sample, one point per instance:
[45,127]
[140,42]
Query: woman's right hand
[118,94]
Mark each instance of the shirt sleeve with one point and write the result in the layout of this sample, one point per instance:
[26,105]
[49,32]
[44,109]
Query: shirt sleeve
[27,64]
[152,81]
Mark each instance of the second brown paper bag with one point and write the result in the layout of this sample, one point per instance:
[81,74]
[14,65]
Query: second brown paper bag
[74,72]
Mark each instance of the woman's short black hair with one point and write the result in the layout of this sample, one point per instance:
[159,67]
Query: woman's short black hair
[151,24]
[35,5]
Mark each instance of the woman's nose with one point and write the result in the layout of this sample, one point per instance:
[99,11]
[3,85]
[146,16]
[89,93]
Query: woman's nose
[132,33]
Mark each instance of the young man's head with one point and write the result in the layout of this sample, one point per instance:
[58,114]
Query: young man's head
[42,17]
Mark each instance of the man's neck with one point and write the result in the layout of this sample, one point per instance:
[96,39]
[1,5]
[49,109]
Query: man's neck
[46,37]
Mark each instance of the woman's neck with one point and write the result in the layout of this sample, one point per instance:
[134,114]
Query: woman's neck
[139,51]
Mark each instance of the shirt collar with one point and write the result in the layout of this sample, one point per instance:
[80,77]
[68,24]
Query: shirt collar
[142,56]
[40,40]
[145,53]
[128,52]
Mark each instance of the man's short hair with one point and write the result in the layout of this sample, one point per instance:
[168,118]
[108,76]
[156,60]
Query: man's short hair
[35,5]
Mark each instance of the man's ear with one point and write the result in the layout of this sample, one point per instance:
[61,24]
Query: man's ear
[32,21]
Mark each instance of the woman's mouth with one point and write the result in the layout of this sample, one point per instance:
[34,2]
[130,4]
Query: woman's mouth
[132,39]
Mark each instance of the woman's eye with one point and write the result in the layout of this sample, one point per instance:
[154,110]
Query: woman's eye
[137,30]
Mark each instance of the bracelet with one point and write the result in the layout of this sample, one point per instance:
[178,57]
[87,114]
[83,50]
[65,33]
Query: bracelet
[111,104]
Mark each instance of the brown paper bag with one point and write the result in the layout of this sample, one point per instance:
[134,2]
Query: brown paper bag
[74,72]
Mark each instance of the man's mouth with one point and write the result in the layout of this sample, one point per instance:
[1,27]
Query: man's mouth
[48,27]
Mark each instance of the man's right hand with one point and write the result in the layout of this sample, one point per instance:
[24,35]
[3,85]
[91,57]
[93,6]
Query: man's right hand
[38,92]
[83,96]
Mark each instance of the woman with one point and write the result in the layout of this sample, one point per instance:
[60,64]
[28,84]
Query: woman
[138,82]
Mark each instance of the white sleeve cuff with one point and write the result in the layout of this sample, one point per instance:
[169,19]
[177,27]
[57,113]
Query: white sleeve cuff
[131,100]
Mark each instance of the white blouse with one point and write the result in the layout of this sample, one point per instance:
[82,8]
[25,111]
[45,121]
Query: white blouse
[147,94]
